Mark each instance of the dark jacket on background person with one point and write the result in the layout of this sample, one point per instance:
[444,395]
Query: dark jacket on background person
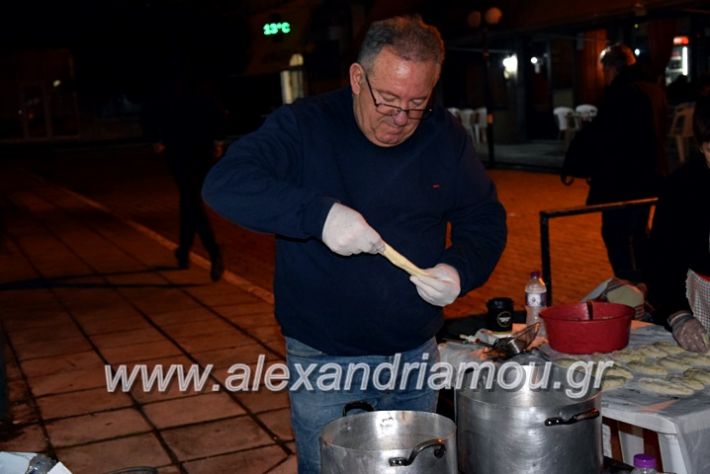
[623,143]
[285,177]
[679,238]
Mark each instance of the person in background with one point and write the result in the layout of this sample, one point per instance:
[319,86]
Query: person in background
[336,176]
[623,155]
[679,279]
[186,128]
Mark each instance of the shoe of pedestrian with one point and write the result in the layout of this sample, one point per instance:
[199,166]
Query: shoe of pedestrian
[217,268]
[183,259]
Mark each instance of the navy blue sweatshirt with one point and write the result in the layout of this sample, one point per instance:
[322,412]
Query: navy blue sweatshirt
[284,178]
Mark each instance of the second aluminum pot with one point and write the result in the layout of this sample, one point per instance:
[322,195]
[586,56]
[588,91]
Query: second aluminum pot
[388,442]
[529,430]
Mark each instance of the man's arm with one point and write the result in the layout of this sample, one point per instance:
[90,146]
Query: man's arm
[255,185]
[478,226]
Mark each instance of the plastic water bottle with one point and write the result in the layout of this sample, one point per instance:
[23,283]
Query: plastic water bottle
[644,464]
[535,298]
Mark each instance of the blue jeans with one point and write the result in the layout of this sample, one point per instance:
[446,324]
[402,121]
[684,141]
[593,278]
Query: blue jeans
[313,407]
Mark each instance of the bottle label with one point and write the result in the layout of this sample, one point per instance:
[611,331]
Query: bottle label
[536,299]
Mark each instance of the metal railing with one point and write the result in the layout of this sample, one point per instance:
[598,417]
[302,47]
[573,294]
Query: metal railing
[545,217]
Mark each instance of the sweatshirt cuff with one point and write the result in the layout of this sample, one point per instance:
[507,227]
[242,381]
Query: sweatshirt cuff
[314,215]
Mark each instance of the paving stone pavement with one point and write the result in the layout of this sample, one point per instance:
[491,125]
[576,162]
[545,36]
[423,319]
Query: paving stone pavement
[87,280]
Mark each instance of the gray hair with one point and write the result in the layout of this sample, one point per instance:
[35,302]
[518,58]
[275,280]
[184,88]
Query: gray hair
[408,36]
[617,56]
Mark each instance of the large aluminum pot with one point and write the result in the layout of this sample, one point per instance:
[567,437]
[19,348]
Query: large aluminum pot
[529,430]
[388,442]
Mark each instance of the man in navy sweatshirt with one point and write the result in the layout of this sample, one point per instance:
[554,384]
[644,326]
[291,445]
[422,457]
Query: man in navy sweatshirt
[335,177]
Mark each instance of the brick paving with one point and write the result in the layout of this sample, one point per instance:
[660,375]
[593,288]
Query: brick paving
[87,279]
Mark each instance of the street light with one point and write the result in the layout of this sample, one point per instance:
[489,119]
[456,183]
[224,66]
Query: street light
[491,17]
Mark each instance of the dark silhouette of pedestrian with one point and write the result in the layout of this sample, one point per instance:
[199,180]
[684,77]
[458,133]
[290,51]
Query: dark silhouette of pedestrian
[622,149]
[186,128]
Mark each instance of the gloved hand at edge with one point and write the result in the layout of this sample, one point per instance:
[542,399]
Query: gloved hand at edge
[689,332]
[441,288]
[346,232]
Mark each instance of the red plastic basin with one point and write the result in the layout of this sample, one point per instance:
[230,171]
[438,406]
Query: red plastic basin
[584,328]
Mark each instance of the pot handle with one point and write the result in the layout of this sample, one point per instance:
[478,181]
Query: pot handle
[439,451]
[357,405]
[585,415]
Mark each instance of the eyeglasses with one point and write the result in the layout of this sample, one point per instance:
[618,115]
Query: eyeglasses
[386,109]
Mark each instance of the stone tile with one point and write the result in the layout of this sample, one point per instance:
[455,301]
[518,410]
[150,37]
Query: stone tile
[12,369]
[246,354]
[198,328]
[189,410]
[36,320]
[264,400]
[247,321]
[125,338]
[119,322]
[216,437]
[68,381]
[82,402]
[36,349]
[182,316]
[267,333]
[253,461]
[17,390]
[31,438]
[64,330]
[141,351]
[243,382]
[166,301]
[279,422]
[96,427]
[173,391]
[69,362]
[208,342]
[24,413]
[258,307]
[290,466]
[114,454]
[169,470]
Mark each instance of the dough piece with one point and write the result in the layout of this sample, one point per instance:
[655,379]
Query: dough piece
[687,382]
[626,356]
[664,387]
[399,260]
[700,375]
[670,347]
[611,383]
[674,363]
[643,368]
[566,362]
[700,361]
[652,351]
[618,371]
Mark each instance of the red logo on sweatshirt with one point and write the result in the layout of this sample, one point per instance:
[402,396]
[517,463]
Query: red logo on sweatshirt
[435,186]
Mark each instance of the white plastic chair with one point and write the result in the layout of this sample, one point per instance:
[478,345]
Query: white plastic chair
[480,123]
[586,112]
[467,121]
[456,112]
[682,127]
[567,123]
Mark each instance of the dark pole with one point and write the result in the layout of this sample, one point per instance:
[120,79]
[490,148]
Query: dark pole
[488,101]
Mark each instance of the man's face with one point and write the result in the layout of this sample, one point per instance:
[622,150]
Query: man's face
[394,82]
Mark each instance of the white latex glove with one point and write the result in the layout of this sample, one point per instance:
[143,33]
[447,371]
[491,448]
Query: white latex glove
[688,332]
[441,288]
[346,232]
